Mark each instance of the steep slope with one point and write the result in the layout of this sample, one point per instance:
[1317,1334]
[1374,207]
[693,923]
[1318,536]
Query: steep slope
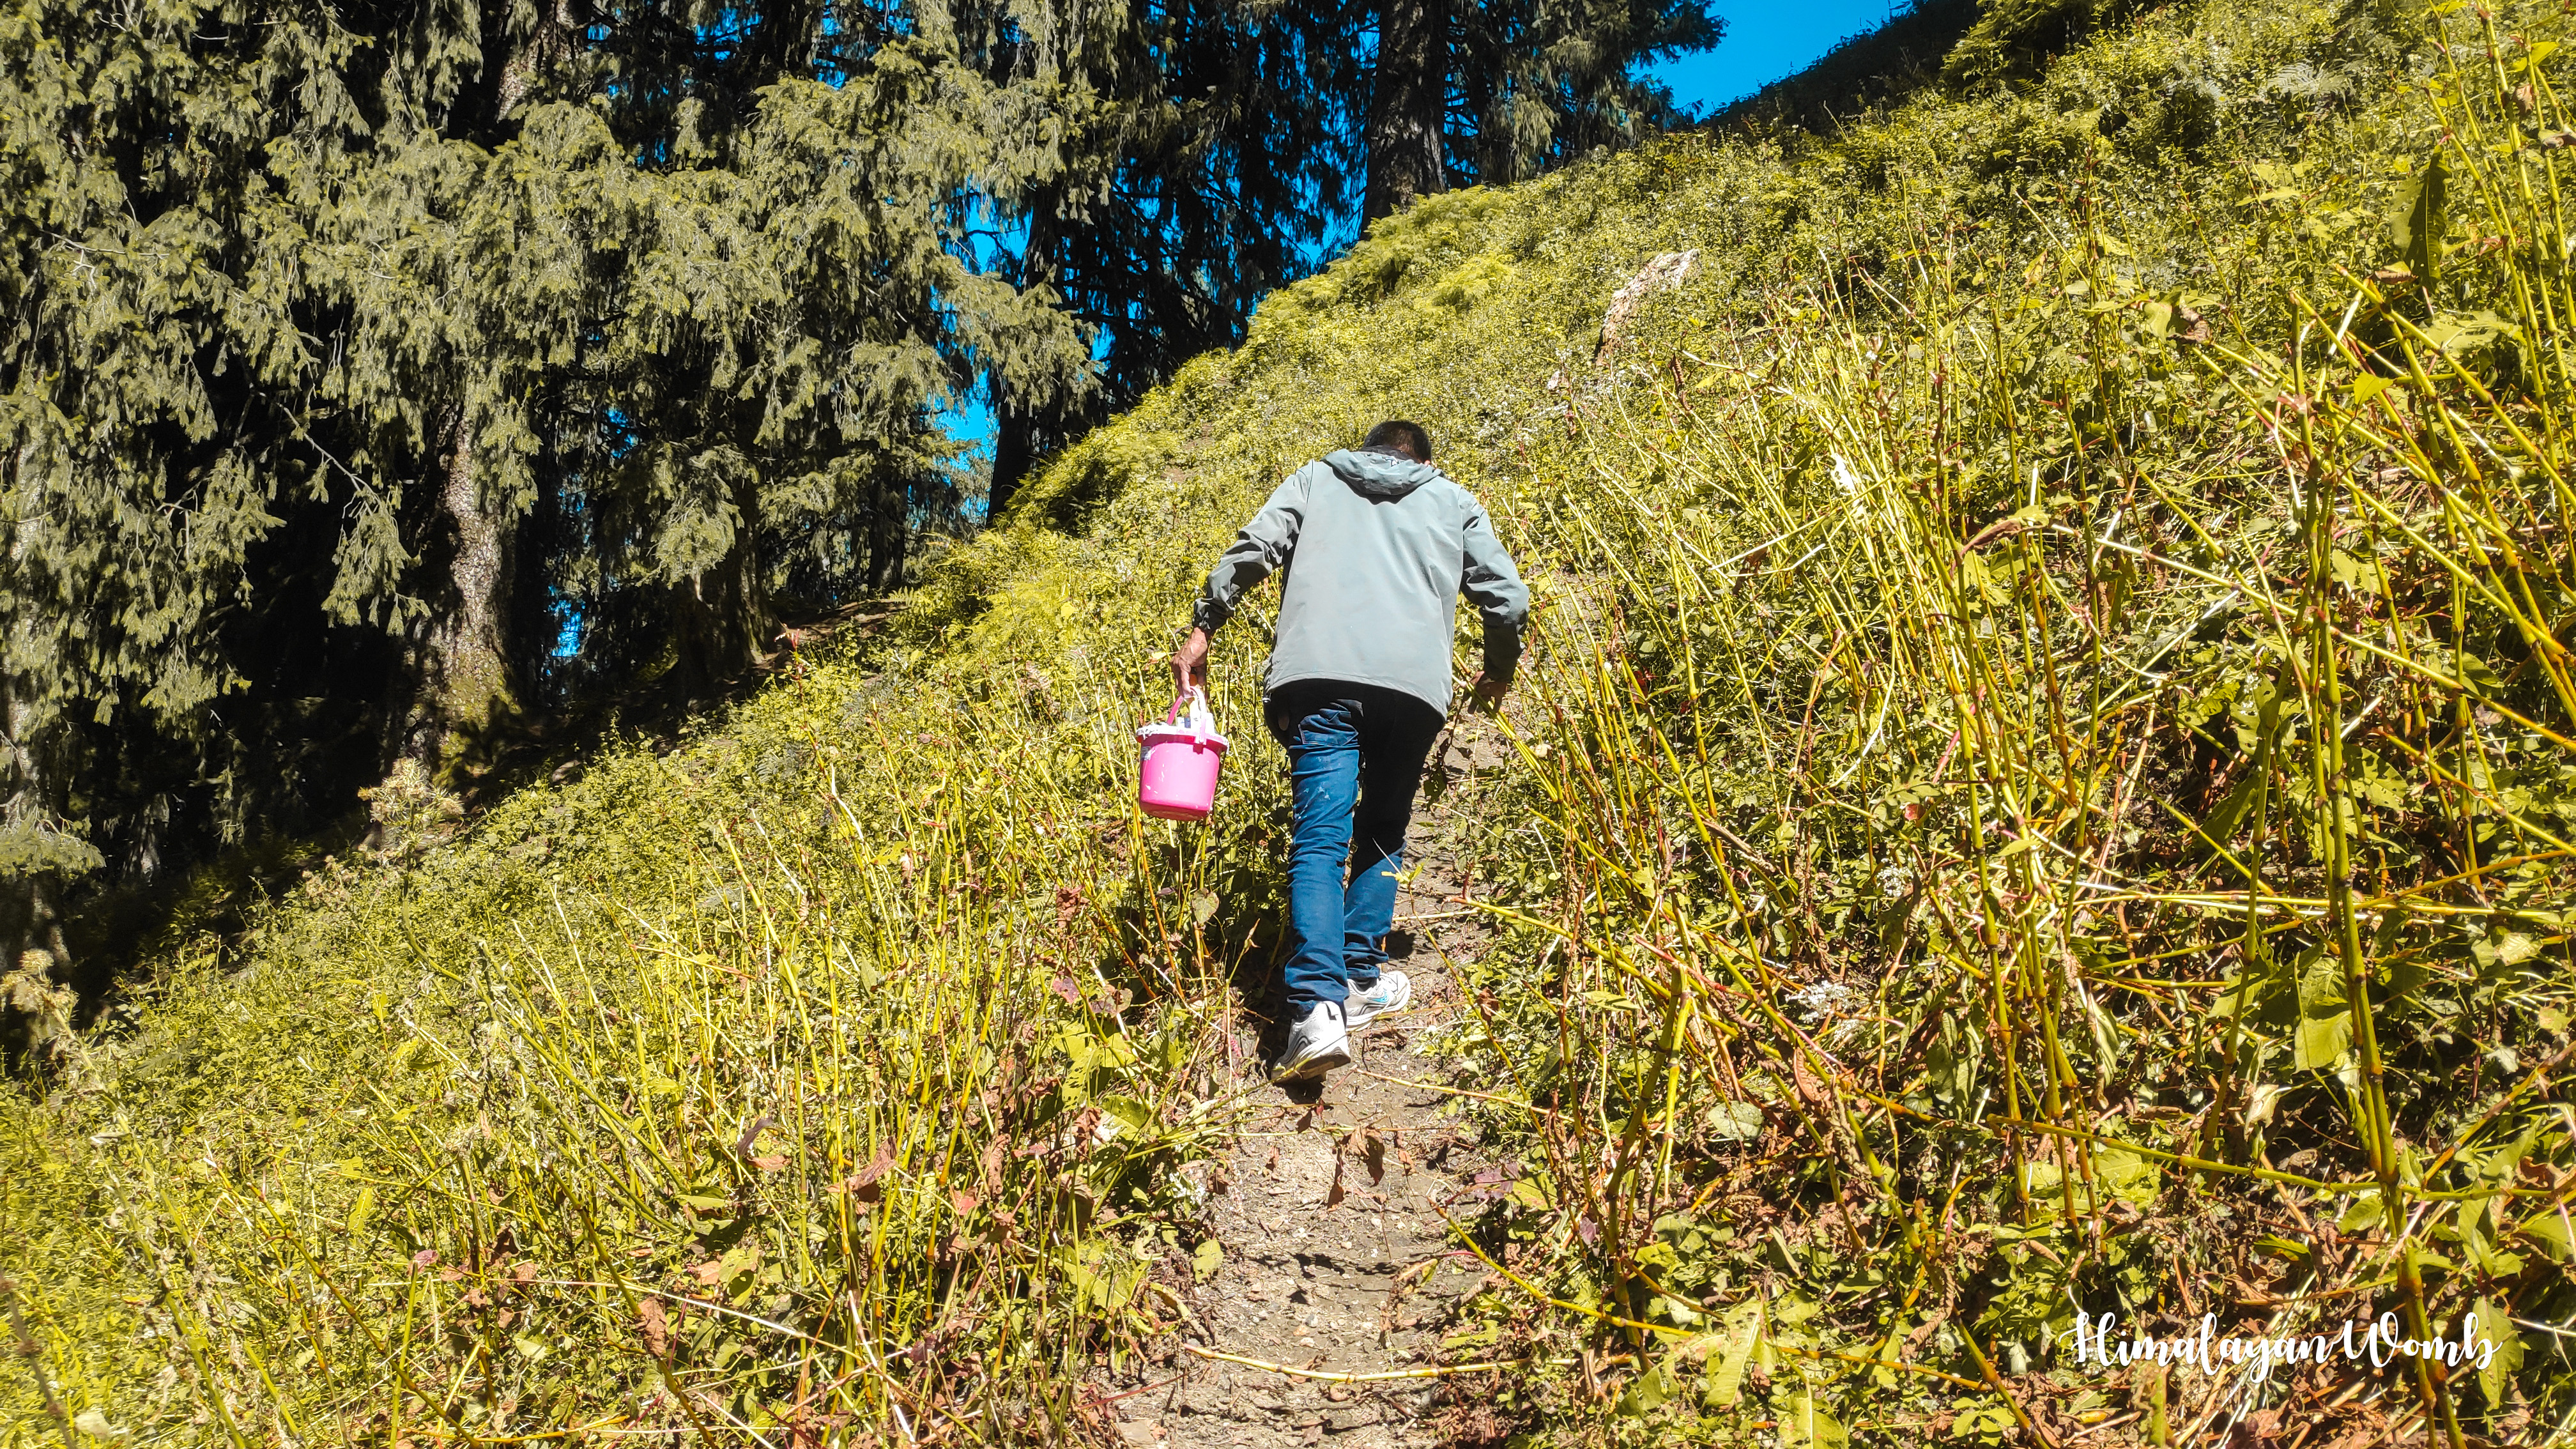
[2044,783]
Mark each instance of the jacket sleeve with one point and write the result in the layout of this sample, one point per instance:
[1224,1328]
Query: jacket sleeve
[1260,549]
[1495,588]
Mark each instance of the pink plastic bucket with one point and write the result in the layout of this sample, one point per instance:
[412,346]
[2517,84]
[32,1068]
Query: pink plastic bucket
[1178,778]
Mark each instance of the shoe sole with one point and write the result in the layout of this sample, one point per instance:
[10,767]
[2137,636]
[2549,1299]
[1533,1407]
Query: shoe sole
[1312,1067]
[1355,1024]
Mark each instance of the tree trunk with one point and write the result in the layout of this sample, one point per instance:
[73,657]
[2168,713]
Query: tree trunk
[461,686]
[720,620]
[1016,426]
[889,533]
[30,918]
[1407,105]
[548,43]
[34,959]
[1014,450]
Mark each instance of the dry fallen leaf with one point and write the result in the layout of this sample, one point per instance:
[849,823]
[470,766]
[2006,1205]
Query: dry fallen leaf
[862,1184]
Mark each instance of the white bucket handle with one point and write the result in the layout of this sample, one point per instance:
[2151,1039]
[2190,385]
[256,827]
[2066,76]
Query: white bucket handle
[1194,695]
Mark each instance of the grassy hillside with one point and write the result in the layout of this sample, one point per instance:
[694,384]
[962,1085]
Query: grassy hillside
[2045,778]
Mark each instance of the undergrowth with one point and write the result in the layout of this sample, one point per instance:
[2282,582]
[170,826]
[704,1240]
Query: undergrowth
[2044,784]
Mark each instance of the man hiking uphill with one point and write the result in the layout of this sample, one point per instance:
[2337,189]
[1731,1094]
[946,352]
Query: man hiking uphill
[1375,545]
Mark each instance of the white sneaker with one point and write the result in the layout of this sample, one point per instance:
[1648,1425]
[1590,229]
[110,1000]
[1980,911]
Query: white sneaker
[1316,1044]
[1392,993]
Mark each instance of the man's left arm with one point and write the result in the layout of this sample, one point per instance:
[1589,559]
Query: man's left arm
[1494,586]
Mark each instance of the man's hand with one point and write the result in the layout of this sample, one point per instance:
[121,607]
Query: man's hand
[1189,662]
[1485,696]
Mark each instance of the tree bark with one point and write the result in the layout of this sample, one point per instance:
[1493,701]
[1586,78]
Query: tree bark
[462,684]
[550,40]
[1017,428]
[720,619]
[30,915]
[1407,105]
[1014,451]
[889,534]
[30,792]
[719,622]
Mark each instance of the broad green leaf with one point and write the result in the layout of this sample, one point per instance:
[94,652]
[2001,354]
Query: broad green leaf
[2548,1233]
[2218,828]
[1985,1422]
[1648,1391]
[1890,1350]
[2495,1324]
[1805,1426]
[1741,1326]
[1103,1278]
[2422,216]
[2127,1175]
[2325,1015]
[1127,1111]
[1734,1122]
[2354,574]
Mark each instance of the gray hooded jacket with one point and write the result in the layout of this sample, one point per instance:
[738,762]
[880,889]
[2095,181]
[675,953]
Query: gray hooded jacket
[1376,549]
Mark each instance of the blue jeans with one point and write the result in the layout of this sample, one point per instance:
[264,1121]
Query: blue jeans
[1355,754]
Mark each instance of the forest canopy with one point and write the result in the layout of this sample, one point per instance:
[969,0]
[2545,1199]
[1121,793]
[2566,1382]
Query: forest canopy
[381,381]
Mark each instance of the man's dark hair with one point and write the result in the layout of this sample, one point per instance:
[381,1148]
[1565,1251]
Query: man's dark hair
[1397,435]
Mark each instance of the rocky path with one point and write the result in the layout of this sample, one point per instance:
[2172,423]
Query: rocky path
[1335,1259]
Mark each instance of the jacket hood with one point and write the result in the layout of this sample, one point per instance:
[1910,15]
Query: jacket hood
[1380,477]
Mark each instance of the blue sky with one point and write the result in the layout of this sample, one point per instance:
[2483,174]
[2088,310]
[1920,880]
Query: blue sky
[1763,43]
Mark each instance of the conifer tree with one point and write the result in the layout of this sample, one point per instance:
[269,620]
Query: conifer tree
[1408,105]
[144,385]
[372,375]
[1247,152]
[313,310]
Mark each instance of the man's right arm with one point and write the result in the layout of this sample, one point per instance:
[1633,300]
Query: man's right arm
[1259,549]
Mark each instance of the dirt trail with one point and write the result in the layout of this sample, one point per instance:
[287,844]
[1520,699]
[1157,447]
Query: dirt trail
[1334,1257]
